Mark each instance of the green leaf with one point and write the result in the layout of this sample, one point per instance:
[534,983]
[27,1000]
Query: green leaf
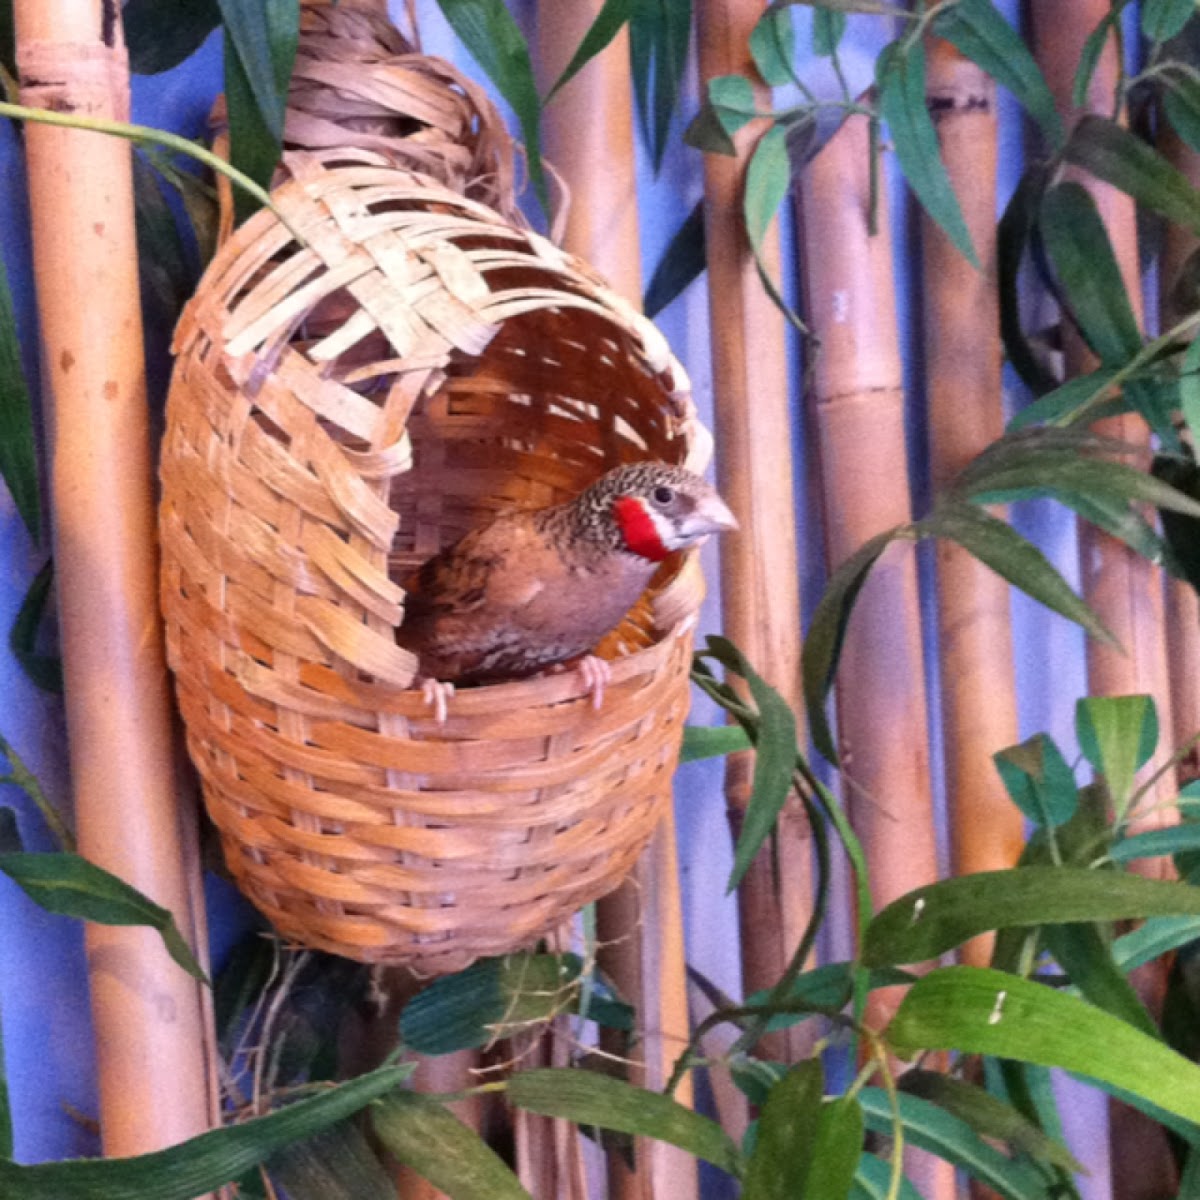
[822,988]
[247,973]
[1117,735]
[827,632]
[996,544]
[732,99]
[70,886]
[878,7]
[978,1011]
[1182,533]
[202,1163]
[1125,523]
[1163,19]
[931,1128]
[426,1136]
[166,279]
[18,454]
[930,920]
[1084,954]
[683,261]
[773,47]
[43,670]
[658,47]
[476,1006]
[988,1116]
[260,50]
[874,1179]
[774,758]
[336,1164]
[1038,779]
[1061,402]
[610,20]
[828,27]
[978,31]
[1189,389]
[1181,103]
[591,1099]
[712,741]
[1012,237]
[1156,843]
[837,1150]
[768,177]
[1089,56]
[160,34]
[787,1136]
[902,104]
[1159,935]
[1121,158]
[1078,246]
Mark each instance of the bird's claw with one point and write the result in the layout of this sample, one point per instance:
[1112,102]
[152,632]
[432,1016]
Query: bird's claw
[596,674]
[437,694]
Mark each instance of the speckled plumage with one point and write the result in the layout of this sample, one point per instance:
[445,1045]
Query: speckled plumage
[532,589]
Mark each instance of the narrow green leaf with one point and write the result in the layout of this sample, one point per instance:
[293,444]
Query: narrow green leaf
[988,1116]
[683,261]
[827,632]
[610,20]
[70,886]
[996,544]
[1125,523]
[837,1150]
[732,98]
[874,1181]
[931,1128]
[978,1011]
[245,976]
[902,104]
[1089,57]
[774,758]
[707,133]
[1189,389]
[1038,779]
[43,670]
[1181,103]
[201,1164]
[658,45]
[768,177]
[1121,158]
[828,28]
[712,741]
[426,1136]
[591,1099]
[978,31]
[336,1164]
[160,35]
[1078,246]
[930,920]
[773,47]
[1163,19]
[1157,843]
[1117,735]
[1013,235]
[1084,954]
[879,7]
[787,1136]
[1159,935]
[1059,404]
[18,454]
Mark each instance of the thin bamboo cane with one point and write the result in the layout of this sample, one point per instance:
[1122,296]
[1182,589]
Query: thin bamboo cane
[154,1049]
[588,130]
[858,410]
[1183,608]
[963,355]
[1123,588]
[759,568]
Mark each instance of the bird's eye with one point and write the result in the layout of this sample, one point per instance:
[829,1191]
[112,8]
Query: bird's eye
[663,495]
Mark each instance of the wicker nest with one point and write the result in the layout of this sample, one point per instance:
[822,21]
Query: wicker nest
[343,406]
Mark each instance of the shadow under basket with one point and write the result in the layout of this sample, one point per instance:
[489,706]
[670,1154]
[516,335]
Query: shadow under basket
[354,389]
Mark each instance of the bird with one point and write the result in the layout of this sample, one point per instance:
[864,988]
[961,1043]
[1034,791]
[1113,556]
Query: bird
[534,590]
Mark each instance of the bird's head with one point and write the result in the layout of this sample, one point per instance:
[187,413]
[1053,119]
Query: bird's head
[653,508]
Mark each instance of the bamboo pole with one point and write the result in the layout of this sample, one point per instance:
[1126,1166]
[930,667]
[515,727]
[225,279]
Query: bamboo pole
[963,356]
[1183,608]
[1123,588]
[759,565]
[154,1049]
[589,138]
[857,404]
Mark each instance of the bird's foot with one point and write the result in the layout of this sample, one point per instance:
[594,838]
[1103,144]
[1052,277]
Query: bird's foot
[596,674]
[437,694]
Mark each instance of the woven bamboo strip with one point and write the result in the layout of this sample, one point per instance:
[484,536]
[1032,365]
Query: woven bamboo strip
[759,570]
[152,1043]
[1183,609]
[589,138]
[963,355]
[1123,588]
[858,410]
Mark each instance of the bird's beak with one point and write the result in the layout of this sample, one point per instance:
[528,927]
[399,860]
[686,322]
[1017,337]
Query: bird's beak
[711,515]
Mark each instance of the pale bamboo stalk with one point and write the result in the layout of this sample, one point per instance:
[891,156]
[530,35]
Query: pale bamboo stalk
[1183,608]
[154,1049]
[857,402]
[1125,590]
[589,138]
[963,353]
[759,565]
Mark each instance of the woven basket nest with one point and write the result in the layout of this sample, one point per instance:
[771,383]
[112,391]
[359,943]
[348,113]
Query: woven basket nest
[342,407]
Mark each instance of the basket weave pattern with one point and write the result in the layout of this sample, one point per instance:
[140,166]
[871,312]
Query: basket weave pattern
[342,407]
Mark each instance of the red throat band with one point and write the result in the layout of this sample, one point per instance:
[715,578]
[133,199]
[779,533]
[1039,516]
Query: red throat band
[638,529]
